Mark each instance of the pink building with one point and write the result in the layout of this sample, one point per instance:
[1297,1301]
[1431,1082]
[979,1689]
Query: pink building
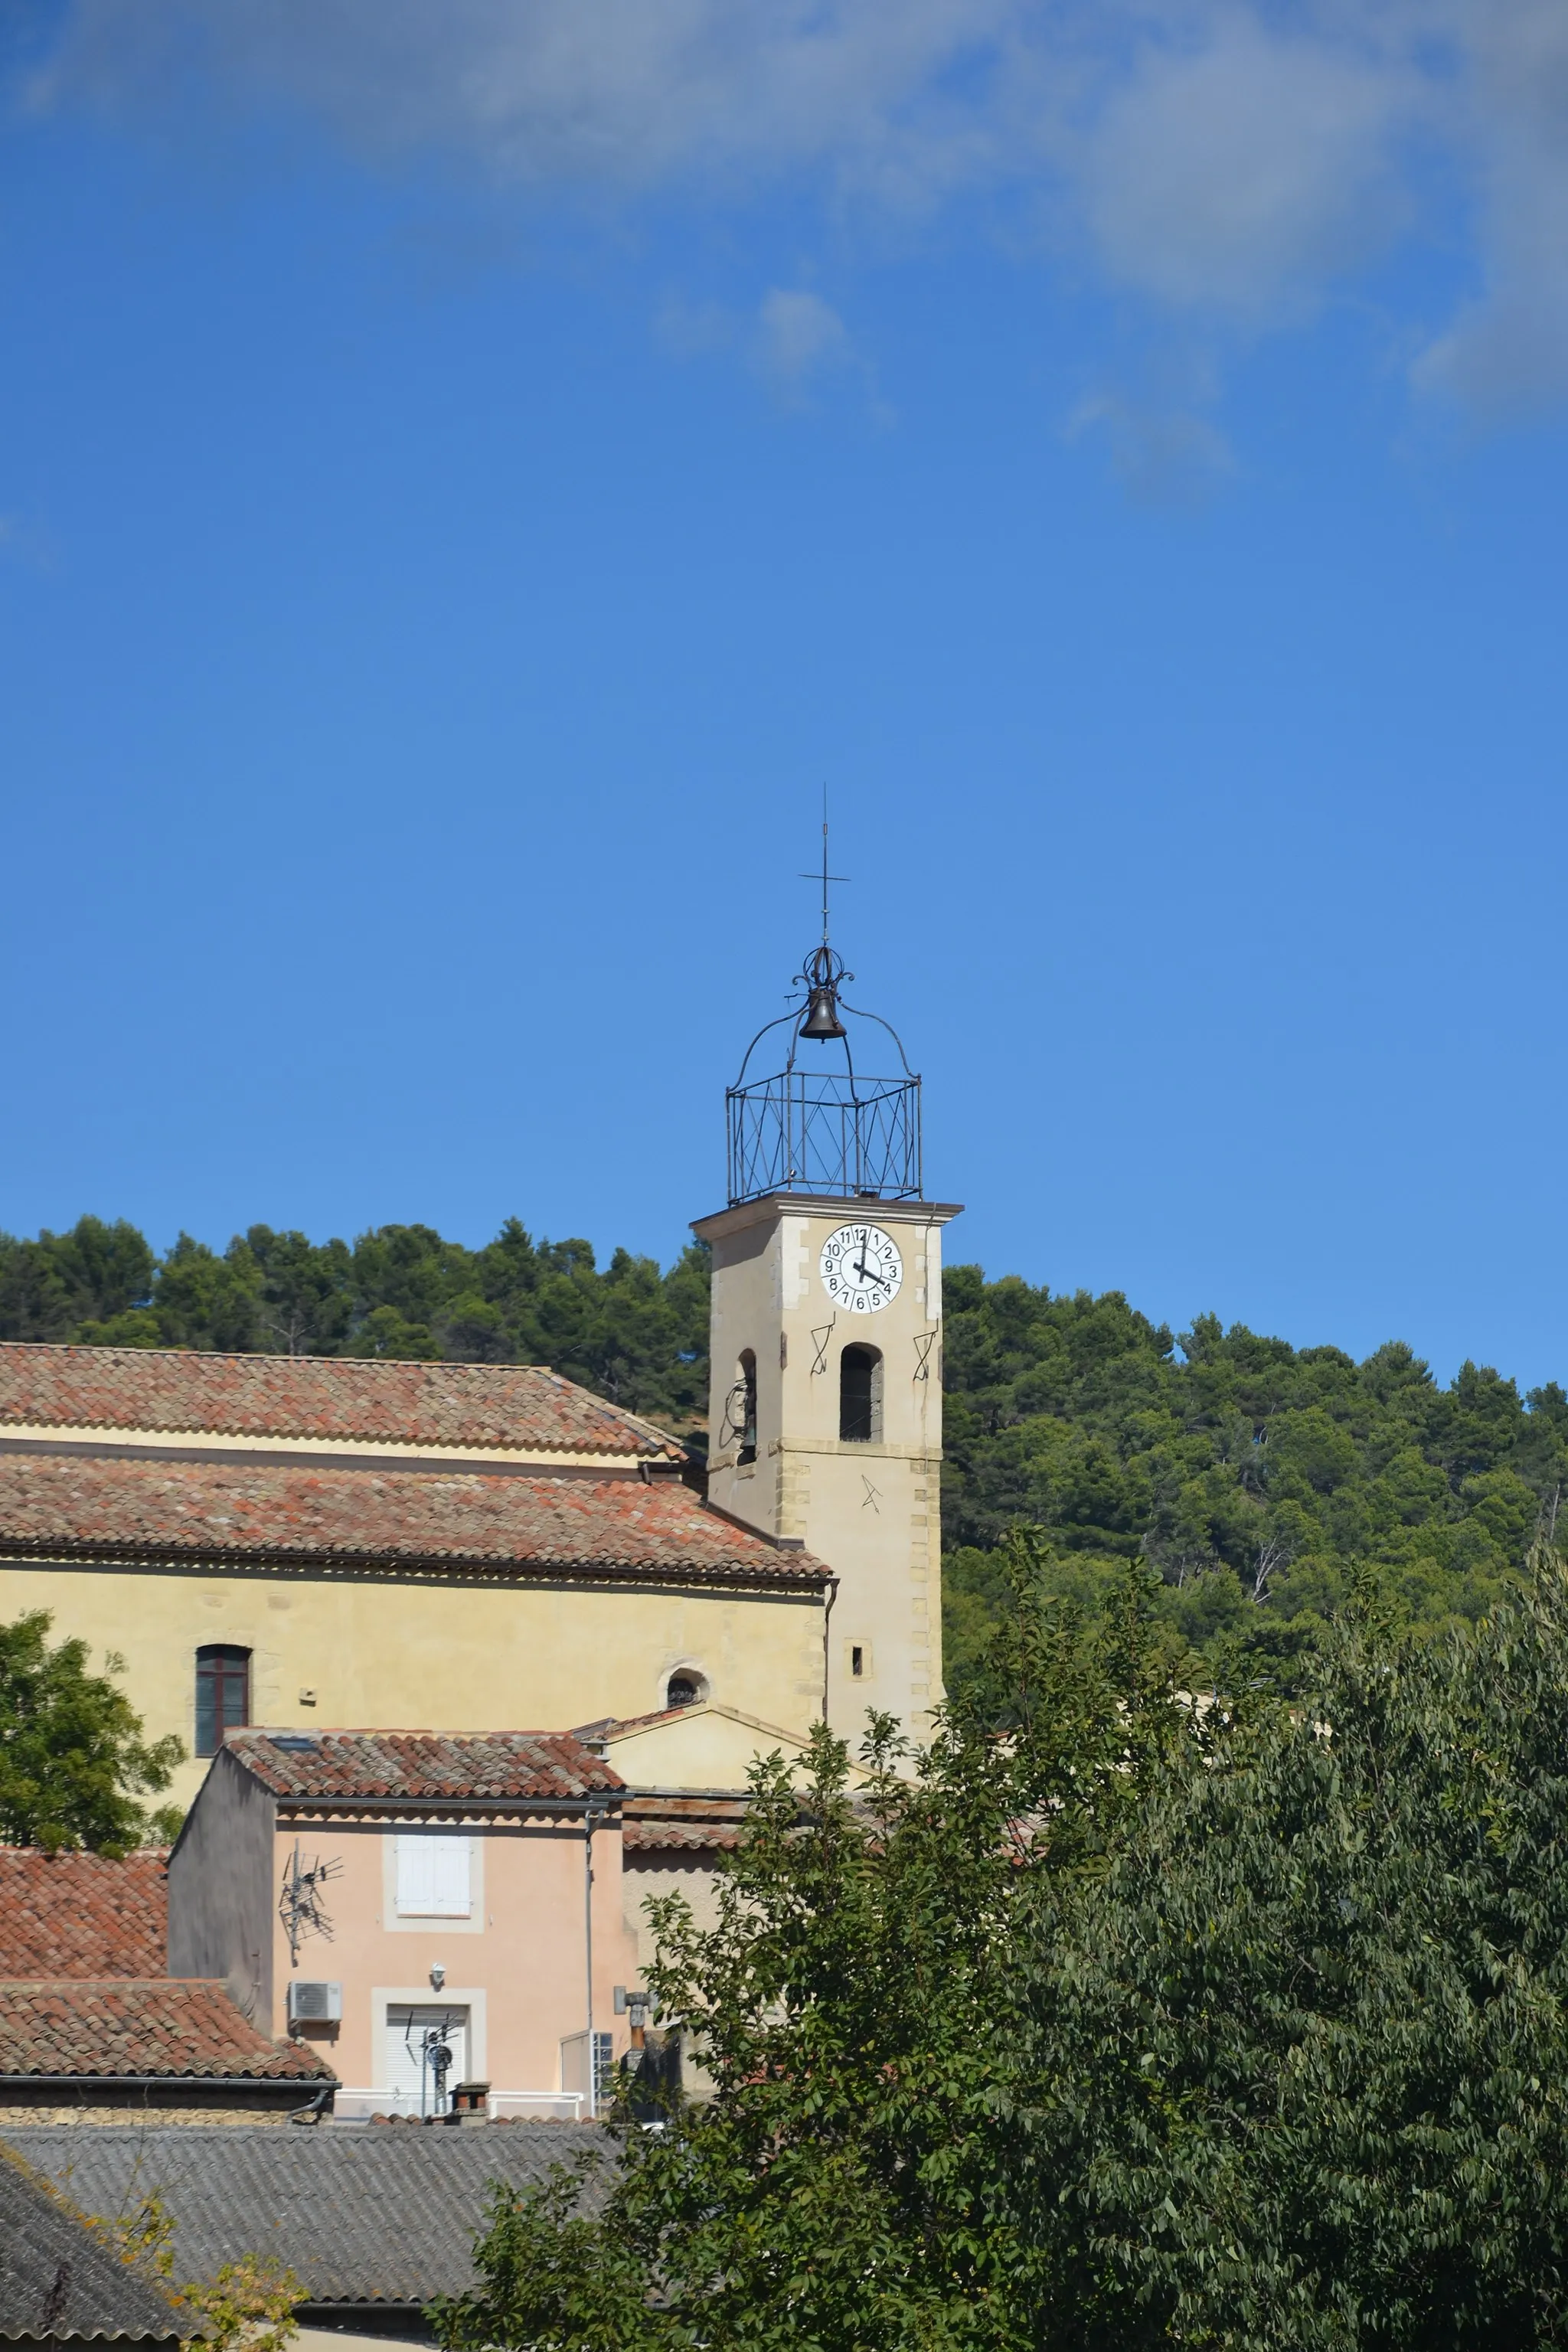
[427,1909]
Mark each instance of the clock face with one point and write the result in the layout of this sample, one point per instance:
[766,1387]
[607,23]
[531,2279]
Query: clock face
[861,1268]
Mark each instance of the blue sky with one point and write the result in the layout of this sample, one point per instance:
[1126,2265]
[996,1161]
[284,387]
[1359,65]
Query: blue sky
[470,478]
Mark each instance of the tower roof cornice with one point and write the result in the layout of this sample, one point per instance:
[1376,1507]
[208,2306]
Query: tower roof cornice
[843,1207]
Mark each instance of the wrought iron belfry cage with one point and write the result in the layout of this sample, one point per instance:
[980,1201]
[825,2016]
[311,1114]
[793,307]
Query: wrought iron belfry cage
[833,1130]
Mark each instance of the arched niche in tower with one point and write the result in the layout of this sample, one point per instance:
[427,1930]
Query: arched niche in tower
[860,1395]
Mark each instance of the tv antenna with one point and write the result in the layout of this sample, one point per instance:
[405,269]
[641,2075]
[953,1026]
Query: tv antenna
[300,1905]
[435,2054]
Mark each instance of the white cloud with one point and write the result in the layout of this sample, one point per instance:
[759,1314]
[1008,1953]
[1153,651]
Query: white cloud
[1234,159]
[1246,170]
[620,93]
[1164,456]
[798,336]
[1509,347]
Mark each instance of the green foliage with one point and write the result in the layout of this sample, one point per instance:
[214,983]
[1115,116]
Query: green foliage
[547,2265]
[1254,1476]
[1145,2025]
[51,1288]
[72,1758]
[838,2189]
[1300,2063]
[630,1332]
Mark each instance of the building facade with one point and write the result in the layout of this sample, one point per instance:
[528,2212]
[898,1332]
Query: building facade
[423,1911]
[300,1542]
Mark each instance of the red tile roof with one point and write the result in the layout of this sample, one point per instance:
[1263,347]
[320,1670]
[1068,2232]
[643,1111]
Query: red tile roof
[83,1506]
[682,1824]
[81,1914]
[518,1405]
[423,1766]
[179,2026]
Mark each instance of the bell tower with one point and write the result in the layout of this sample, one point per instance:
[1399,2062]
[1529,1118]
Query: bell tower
[826,1406]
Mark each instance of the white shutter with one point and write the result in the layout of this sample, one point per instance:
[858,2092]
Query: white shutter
[433,1876]
[405,2068]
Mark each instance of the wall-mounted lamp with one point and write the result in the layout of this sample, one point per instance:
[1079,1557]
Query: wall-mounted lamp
[437,1975]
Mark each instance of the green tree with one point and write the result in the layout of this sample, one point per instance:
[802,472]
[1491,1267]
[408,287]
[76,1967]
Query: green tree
[1259,1478]
[1300,2064]
[206,1300]
[840,2186]
[72,1759]
[50,1286]
[1141,2025]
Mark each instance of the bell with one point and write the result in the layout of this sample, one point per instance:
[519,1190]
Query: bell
[822,1015]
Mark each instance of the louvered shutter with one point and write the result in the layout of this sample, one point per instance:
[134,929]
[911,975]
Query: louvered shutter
[433,1876]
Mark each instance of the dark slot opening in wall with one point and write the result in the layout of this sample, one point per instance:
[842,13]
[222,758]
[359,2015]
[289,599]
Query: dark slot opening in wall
[748,1407]
[857,1660]
[859,1396]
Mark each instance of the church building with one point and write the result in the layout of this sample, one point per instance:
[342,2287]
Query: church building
[301,1542]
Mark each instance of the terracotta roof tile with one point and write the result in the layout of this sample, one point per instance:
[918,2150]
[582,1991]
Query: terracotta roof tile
[679,1837]
[518,1405]
[178,2026]
[682,1824]
[421,1765]
[81,1914]
[83,1506]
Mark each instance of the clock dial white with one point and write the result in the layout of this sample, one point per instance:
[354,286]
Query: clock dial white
[861,1269]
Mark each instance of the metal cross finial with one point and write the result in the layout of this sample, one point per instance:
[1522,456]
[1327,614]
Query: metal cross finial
[825,877]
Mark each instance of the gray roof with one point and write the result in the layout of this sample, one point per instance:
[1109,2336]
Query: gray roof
[58,2281]
[374,2213]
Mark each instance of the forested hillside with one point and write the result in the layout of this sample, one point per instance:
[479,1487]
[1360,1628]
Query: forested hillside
[1251,1477]
[1254,1477]
[634,1334]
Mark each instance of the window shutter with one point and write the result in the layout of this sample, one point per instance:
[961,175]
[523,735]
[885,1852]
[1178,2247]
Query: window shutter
[433,1877]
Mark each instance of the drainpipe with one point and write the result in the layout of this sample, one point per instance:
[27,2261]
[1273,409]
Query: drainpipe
[589,1817]
[826,1650]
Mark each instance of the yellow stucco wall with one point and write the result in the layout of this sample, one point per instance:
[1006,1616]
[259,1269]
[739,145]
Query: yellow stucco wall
[706,1747]
[392,1655]
[870,1511]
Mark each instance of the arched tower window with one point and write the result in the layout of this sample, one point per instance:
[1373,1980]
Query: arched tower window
[746,1403]
[860,1396]
[685,1687]
[223,1694]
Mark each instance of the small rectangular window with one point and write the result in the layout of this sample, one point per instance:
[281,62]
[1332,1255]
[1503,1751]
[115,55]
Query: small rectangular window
[223,1694]
[433,1876]
[857,1660]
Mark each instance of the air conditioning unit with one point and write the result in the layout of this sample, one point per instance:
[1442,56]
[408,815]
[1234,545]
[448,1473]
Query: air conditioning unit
[314,2004]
